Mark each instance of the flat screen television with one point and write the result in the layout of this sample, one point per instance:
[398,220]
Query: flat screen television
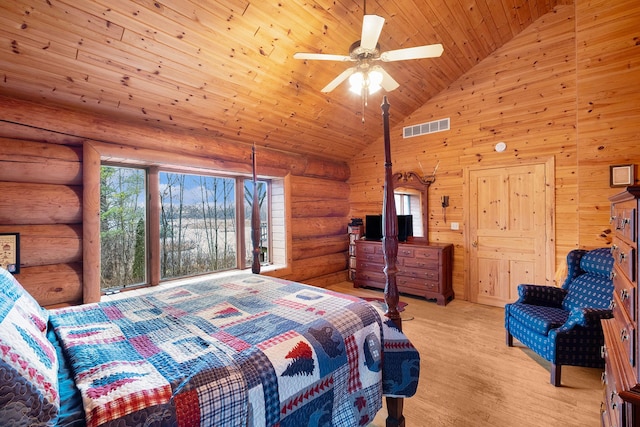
[373,227]
[405,227]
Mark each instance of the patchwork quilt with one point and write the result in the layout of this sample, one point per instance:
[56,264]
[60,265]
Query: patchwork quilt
[246,350]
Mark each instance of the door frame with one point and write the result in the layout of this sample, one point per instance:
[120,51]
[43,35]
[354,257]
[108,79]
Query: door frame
[550,214]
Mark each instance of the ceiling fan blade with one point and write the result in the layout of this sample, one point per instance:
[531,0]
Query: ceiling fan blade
[321,56]
[335,82]
[388,82]
[418,52]
[371,29]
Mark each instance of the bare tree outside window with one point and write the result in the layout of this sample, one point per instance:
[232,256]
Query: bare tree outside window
[122,226]
[197,222]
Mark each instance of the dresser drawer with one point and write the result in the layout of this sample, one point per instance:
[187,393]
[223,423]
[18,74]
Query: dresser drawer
[612,408]
[368,277]
[421,263]
[421,274]
[626,293]
[625,332]
[368,257]
[624,222]
[368,266]
[624,258]
[415,285]
[405,251]
[430,254]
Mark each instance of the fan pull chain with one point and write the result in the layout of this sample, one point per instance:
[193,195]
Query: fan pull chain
[364,102]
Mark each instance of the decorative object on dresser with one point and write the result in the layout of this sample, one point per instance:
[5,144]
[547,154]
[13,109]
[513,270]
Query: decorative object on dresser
[423,269]
[621,175]
[562,325]
[621,403]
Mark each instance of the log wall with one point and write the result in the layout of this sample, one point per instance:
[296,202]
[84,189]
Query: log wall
[41,164]
[566,87]
[41,187]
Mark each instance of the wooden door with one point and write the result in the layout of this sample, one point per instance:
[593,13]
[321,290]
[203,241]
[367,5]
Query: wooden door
[510,219]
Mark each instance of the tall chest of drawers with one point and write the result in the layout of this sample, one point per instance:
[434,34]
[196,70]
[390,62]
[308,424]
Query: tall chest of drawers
[621,401]
[423,269]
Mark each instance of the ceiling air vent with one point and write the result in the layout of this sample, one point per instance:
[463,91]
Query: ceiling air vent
[425,128]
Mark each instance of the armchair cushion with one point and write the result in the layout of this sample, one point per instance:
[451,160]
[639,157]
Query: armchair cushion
[549,296]
[538,318]
[592,288]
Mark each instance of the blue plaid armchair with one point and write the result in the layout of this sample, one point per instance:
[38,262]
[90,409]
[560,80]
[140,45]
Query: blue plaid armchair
[562,325]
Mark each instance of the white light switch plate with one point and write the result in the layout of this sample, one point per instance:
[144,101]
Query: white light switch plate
[455,226]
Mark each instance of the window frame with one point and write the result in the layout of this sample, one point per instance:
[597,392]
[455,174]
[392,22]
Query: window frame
[95,154]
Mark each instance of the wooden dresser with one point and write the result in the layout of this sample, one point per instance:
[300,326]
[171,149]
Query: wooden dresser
[423,269]
[621,402]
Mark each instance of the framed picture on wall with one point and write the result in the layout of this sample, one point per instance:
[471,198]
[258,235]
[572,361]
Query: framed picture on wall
[10,252]
[621,175]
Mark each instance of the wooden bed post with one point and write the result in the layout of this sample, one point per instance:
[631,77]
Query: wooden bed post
[390,229]
[390,251]
[255,218]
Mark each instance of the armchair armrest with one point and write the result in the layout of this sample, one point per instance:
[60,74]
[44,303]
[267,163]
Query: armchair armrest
[585,317]
[549,296]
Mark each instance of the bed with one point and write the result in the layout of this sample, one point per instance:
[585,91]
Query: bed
[237,350]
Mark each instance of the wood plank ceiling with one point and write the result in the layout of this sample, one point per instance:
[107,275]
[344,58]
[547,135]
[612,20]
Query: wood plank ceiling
[225,69]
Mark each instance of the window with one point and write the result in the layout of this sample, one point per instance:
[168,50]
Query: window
[197,224]
[203,224]
[123,225]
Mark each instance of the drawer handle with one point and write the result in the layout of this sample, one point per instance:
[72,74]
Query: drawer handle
[624,222]
[612,275]
[624,294]
[603,353]
[613,249]
[612,218]
[603,377]
[612,304]
[621,257]
[624,335]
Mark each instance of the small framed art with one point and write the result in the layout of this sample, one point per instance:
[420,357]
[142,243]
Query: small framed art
[621,175]
[10,252]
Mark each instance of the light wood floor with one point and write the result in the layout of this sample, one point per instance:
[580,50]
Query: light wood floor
[469,377]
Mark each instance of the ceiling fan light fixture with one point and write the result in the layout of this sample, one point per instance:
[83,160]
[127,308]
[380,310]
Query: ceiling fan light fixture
[374,79]
[370,82]
[356,82]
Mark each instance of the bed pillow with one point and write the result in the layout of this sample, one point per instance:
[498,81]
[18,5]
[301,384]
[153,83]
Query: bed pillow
[28,362]
[14,291]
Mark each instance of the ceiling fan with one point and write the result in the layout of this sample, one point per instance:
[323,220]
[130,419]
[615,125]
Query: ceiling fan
[366,77]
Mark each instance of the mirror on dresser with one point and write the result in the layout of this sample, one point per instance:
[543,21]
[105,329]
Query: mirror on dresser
[411,196]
